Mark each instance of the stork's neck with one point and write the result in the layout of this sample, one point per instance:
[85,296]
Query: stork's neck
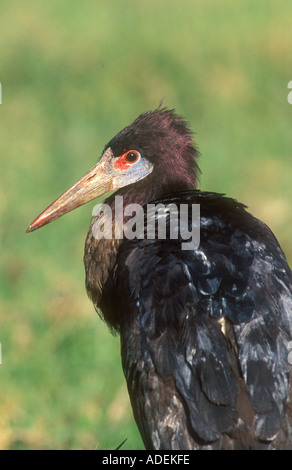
[142,193]
[100,254]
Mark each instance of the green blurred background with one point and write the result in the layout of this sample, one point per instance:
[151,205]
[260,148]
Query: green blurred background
[73,74]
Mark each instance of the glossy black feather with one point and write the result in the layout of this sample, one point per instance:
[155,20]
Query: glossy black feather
[169,300]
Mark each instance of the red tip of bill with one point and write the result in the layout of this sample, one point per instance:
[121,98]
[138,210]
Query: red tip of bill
[30,229]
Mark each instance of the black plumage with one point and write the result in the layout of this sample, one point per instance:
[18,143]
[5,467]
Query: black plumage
[205,333]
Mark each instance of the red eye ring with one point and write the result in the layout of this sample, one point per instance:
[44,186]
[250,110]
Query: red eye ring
[127,159]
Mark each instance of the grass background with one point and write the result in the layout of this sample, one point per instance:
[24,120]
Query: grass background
[73,74]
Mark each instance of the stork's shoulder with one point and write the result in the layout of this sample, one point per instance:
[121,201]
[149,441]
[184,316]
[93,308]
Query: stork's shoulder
[237,264]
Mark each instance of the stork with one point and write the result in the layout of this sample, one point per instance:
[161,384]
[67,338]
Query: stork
[205,332]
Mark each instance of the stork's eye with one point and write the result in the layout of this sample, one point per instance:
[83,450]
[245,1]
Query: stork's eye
[132,156]
[127,159]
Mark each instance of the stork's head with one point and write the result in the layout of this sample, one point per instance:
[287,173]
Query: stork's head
[156,152]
